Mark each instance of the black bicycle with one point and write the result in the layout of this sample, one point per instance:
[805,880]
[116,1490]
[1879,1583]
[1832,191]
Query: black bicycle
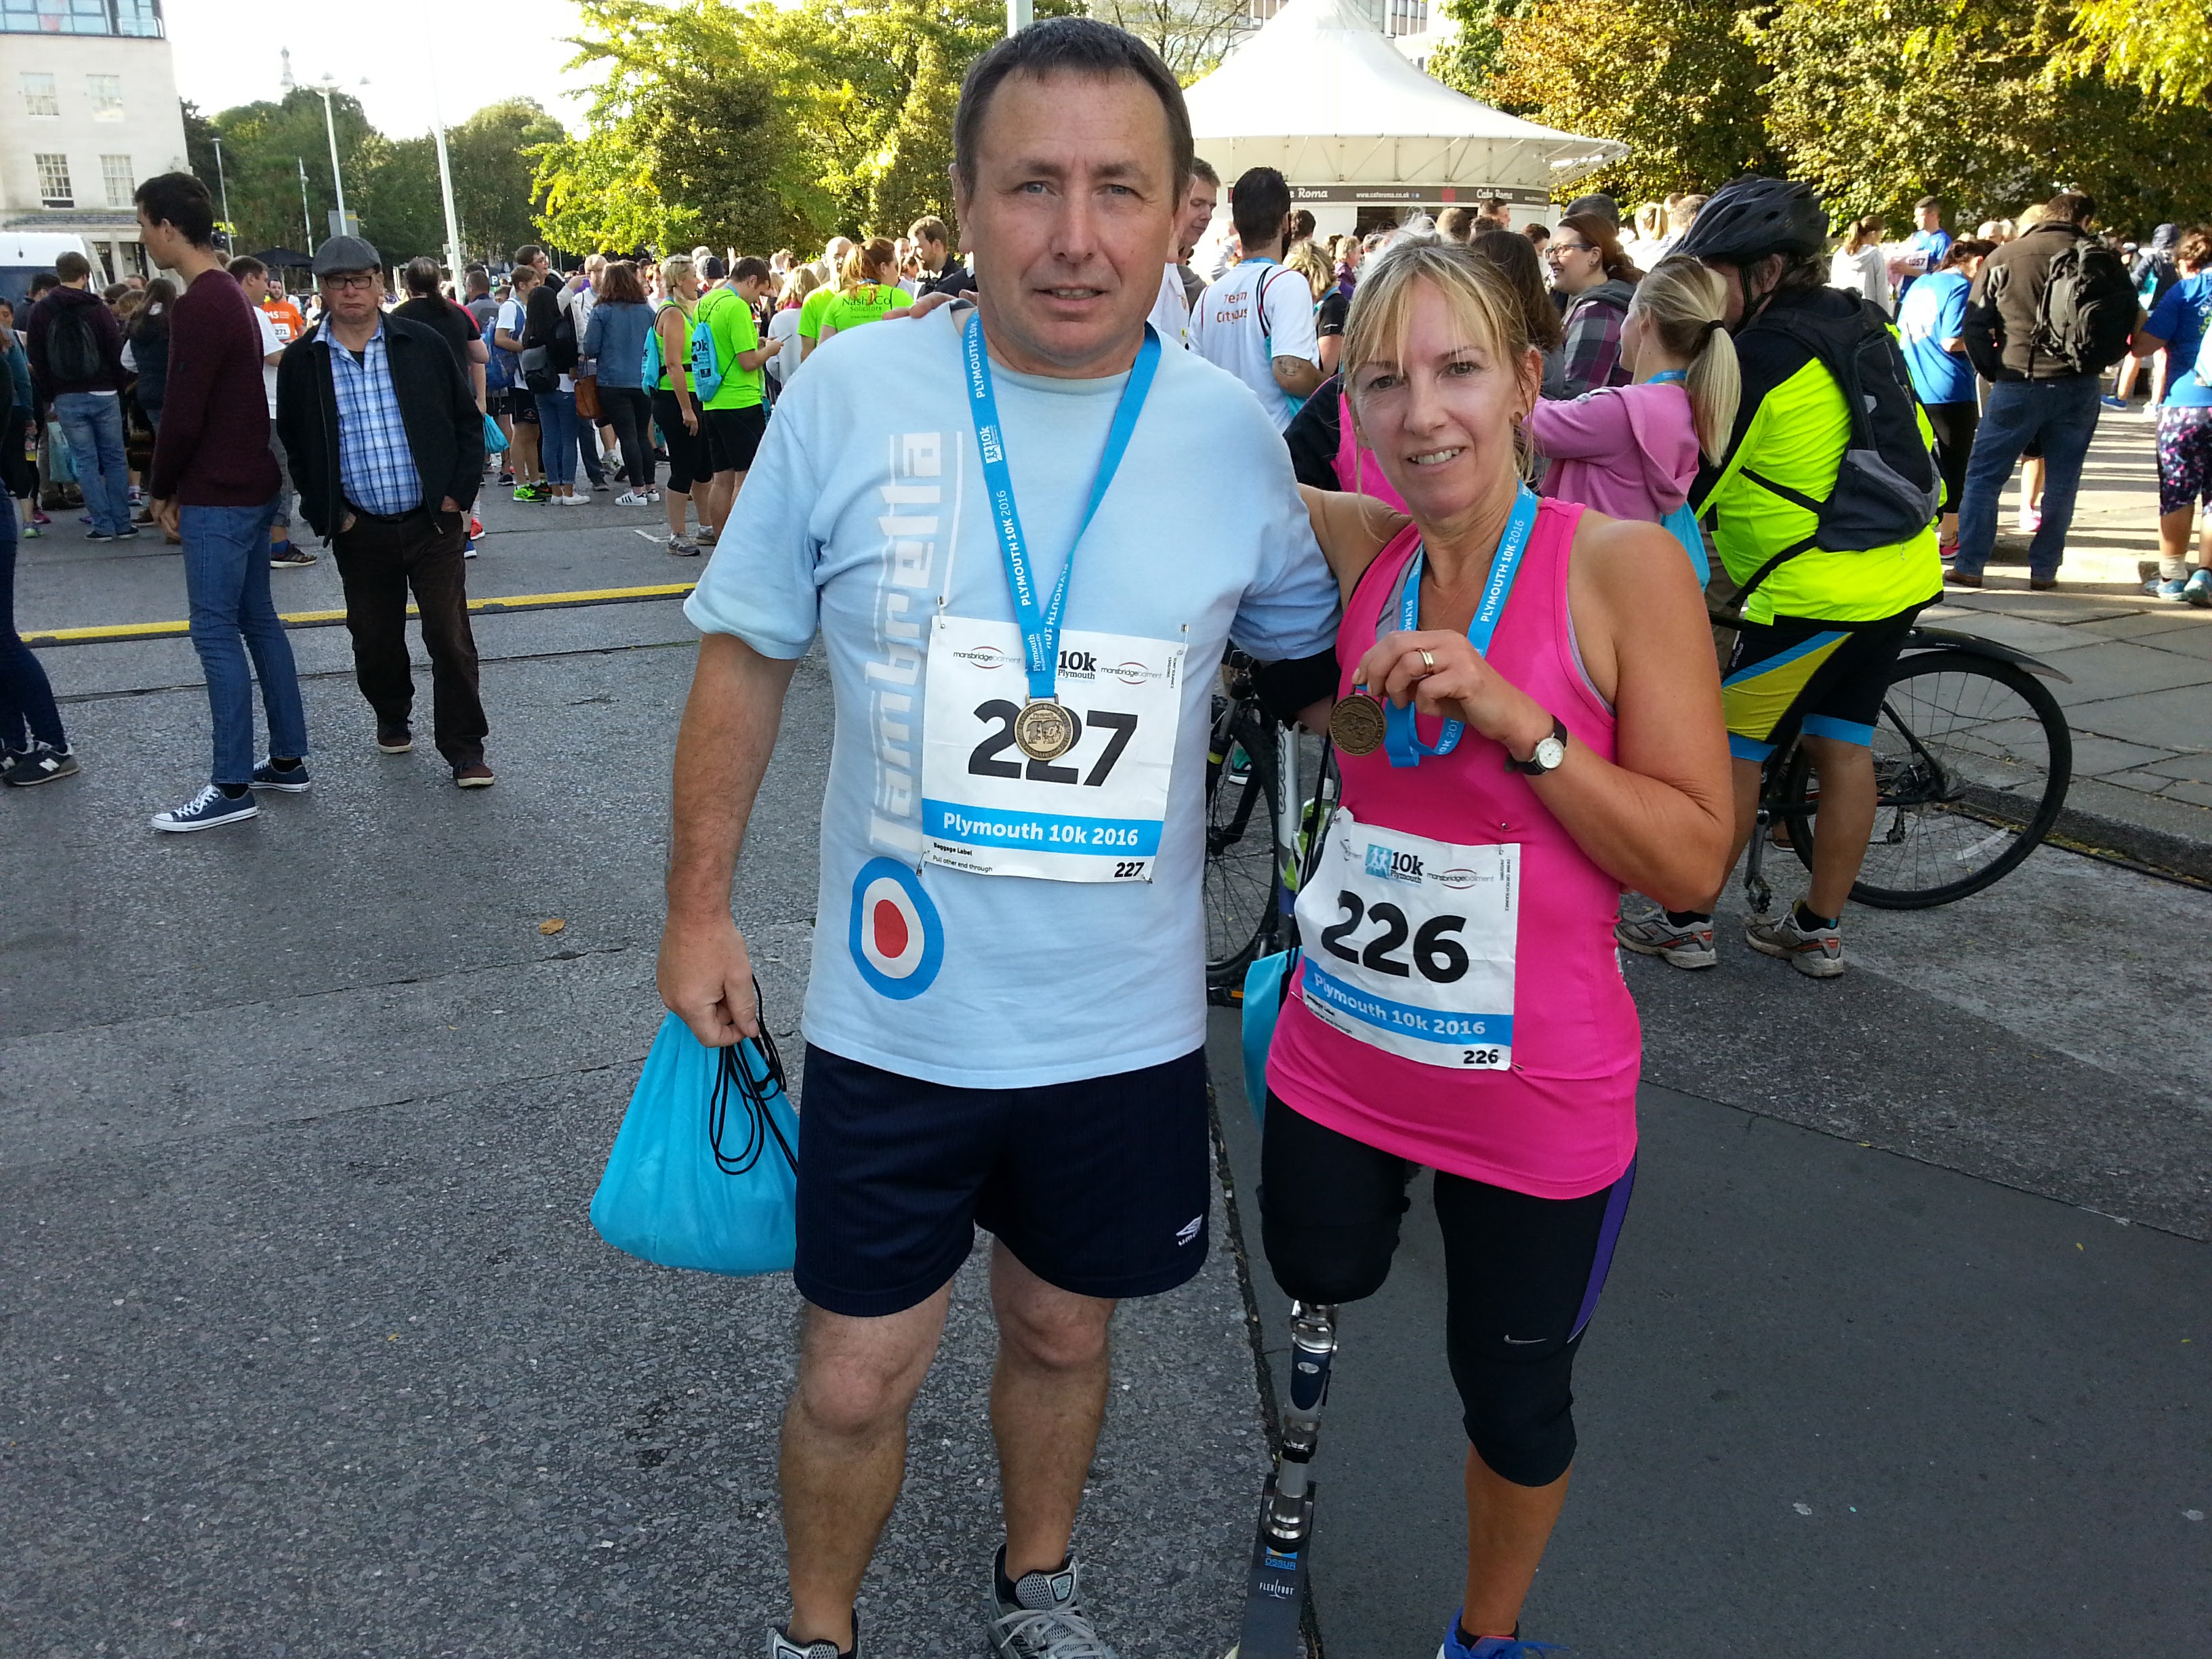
[1972,757]
[1257,816]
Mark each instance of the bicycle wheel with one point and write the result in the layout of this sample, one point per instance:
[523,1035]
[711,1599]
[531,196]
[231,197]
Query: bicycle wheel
[1243,798]
[1972,759]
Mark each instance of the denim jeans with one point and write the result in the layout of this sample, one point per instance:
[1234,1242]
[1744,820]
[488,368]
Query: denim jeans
[2063,414]
[227,583]
[27,700]
[91,422]
[556,417]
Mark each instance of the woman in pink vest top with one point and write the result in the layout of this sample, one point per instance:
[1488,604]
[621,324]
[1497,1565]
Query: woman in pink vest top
[1540,679]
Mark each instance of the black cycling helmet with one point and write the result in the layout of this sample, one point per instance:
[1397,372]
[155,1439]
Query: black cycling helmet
[1751,217]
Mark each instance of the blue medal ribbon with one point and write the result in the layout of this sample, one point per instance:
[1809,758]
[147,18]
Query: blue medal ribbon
[1039,622]
[1667,374]
[1401,739]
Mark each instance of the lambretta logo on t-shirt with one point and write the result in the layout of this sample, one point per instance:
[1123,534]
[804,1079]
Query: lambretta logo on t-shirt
[915,525]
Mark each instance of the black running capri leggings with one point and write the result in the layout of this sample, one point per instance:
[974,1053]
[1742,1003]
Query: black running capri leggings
[1522,1276]
[1954,426]
[687,451]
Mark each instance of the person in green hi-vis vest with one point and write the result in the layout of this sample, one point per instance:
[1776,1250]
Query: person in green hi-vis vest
[736,415]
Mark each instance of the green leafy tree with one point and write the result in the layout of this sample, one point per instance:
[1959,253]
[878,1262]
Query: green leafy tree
[1955,98]
[1675,80]
[763,126]
[264,147]
[401,210]
[1191,36]
[493,156]
[1469,60]
[2161,47]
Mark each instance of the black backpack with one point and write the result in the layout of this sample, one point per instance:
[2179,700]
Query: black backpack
[73,353]
[1889,489]
[2087,310]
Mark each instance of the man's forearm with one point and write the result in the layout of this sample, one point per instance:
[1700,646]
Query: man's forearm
[722,752]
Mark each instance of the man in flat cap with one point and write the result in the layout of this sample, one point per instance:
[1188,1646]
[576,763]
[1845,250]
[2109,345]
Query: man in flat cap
[386,449]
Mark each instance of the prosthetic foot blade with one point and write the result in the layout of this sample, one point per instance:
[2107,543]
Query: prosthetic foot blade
[1275,1591]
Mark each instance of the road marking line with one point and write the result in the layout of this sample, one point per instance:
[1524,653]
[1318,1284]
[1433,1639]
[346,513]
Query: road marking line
[117,633]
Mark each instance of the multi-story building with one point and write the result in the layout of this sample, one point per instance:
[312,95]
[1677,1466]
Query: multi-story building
[87,108]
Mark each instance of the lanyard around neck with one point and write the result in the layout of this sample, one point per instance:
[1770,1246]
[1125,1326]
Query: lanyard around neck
[1667,375]
[1401,740]
[1039,622]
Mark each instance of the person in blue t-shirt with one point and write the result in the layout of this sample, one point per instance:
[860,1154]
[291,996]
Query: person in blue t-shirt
[2178,325]
[1006,1017]
[1928,246]
[1931,322]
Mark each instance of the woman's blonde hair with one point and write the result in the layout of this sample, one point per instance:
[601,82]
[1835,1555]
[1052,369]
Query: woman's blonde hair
[1310,262]
[1681,303]
[1651,219]
[1863,232]
[2032,214]
[673,270]
[863,259]
[1481,300]
[797,282]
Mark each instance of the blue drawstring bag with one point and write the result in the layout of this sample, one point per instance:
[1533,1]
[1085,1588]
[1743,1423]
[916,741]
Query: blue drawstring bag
[1266,983]
[704,1173]
[495,440]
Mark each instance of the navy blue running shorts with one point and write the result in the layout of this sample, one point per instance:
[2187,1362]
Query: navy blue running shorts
[1099,1186]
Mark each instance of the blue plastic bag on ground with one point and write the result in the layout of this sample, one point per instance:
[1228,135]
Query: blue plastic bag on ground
[1267,982]
[704,1173]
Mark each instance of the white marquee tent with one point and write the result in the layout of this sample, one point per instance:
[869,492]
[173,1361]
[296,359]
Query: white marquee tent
[1322,96]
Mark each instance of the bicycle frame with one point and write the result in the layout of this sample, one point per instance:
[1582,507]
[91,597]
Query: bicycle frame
[1758,891]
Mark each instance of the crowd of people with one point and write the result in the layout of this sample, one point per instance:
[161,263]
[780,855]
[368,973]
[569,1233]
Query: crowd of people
[1464,490]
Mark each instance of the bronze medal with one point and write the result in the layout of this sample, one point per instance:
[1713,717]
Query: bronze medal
[1356,724]
[1044,730]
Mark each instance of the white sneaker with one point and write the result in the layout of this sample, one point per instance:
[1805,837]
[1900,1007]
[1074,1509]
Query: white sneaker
[1677,947]
[635,498]
[572,501]
[1818,954]
[780,1646]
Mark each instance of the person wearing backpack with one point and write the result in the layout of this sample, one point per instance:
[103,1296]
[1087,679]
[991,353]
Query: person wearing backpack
[76,347]
[2050,313]
[1251,321]
[1822,512]
[725,359]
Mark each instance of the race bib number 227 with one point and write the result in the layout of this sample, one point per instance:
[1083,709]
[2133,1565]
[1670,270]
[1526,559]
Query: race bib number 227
[1095,813]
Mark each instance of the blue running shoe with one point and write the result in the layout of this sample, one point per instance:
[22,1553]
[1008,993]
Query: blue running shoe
[2199,590]
[206,810]
[1491,1647]
[285,780]
[2169,587]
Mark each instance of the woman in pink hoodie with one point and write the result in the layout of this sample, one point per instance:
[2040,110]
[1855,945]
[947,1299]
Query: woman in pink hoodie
[1632,451]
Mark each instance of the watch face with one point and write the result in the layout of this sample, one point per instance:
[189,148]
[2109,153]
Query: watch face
[1549,753]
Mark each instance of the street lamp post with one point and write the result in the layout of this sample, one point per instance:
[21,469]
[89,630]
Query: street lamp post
[306,218]
[445,174]
[1019,14]
[221,183]
[328,85]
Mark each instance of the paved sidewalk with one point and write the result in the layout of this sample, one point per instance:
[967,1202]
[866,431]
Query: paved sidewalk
[2140,700]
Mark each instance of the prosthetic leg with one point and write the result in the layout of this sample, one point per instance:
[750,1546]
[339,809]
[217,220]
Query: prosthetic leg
[1275,1591]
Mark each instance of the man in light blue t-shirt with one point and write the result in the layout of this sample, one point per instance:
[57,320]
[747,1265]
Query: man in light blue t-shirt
[1006,1016]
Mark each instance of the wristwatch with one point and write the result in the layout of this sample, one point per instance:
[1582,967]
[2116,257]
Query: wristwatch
[1549,753]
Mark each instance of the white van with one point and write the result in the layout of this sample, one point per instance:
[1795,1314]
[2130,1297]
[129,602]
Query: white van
[24,255]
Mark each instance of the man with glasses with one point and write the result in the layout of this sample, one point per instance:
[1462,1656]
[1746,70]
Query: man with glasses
[386,447]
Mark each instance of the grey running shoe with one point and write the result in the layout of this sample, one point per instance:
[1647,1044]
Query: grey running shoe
[1818,954]
[780,1646]
[1045,1620]
[1677,947]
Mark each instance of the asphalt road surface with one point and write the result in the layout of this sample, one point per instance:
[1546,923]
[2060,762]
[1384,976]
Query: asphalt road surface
[309,1348]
